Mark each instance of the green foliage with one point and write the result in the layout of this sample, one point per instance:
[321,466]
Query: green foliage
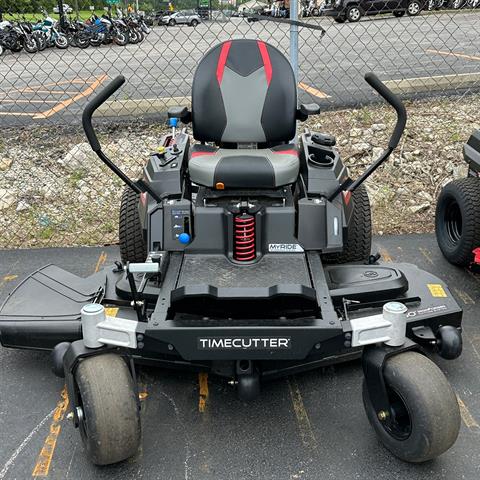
[35,6]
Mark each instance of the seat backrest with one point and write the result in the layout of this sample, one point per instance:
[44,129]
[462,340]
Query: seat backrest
[244,91]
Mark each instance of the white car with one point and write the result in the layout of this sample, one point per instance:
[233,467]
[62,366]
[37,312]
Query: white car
[66,8]
[185,17]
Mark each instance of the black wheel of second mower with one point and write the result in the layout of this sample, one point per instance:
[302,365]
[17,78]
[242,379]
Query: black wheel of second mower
[457,220]
[109,418]
[132,243]
[358,244]
[426,416]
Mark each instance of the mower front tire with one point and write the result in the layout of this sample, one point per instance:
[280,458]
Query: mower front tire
[457,220]
[426,416]
[358,244]
[110,418]
[132,243]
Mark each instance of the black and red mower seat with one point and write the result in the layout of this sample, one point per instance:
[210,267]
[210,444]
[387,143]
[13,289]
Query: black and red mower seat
[244,97]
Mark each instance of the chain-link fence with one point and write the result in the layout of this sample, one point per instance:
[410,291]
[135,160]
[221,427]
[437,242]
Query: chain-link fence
[53,190]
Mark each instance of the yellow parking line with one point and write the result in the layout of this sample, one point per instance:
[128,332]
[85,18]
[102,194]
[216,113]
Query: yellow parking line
[474,341]
[3,102]
[465,297]
[66,103]
[8,278]
[453,54]
[385,255]
[51,92]
[65,82]
[44,460]
[306,432]
[203,393]
[100,262]
[17,114]
[467,417]
[427,255]
[312,90]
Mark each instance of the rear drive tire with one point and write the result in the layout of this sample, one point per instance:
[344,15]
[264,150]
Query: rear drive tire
[426,414]
[358,244]
[194,23]
[110,423]
[457,220]
[130,233]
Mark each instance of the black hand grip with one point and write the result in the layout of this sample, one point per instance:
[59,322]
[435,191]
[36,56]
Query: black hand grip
[395,102]
[93,104]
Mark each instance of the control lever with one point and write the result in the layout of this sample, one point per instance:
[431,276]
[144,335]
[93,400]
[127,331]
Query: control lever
[92,106]
[349,185]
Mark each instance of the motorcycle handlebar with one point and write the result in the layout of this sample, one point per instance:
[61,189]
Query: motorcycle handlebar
[89,110]
[395,102]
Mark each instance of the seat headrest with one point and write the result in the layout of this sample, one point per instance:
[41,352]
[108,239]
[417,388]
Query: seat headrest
[244,91]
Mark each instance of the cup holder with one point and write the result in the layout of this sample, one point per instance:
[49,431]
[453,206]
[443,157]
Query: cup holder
[320,159]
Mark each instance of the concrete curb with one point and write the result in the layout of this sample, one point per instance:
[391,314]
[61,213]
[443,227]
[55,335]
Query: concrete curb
[138,107]
[436,82]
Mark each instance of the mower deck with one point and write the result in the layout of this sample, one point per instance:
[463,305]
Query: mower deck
[210,448]
[281,311]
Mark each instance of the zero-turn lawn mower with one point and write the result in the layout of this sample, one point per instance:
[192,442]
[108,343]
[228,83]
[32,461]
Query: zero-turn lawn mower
[245,254]
[457,218]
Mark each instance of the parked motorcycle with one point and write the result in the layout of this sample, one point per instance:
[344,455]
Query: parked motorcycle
[17,36]
[49,28]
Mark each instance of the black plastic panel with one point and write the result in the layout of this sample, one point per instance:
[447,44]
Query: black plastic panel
[218,271]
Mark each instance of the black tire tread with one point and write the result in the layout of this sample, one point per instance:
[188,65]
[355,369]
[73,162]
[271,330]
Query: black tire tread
[432,404]
[110,409]
[467,190]
[358,245]
[130,234]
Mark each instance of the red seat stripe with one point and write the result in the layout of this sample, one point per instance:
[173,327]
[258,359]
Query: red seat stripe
[222,60]
[286,152]
[201,154]
[267,65]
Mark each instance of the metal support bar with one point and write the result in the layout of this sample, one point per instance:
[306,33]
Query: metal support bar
[349,185]
[294,38]
[320,284]
[139,187]
[136,302]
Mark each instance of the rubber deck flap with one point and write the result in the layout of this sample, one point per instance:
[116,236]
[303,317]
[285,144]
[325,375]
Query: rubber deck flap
[52,292]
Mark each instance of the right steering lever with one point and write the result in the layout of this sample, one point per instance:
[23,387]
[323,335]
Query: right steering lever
[349,185]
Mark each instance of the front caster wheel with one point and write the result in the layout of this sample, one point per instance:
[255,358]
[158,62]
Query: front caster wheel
[109,415]
[425,414]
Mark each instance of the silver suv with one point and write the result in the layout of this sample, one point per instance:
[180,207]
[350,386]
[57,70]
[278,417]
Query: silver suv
[186,17]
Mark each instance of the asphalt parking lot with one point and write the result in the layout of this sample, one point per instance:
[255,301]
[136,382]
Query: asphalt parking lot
[54,85]
[309,426]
